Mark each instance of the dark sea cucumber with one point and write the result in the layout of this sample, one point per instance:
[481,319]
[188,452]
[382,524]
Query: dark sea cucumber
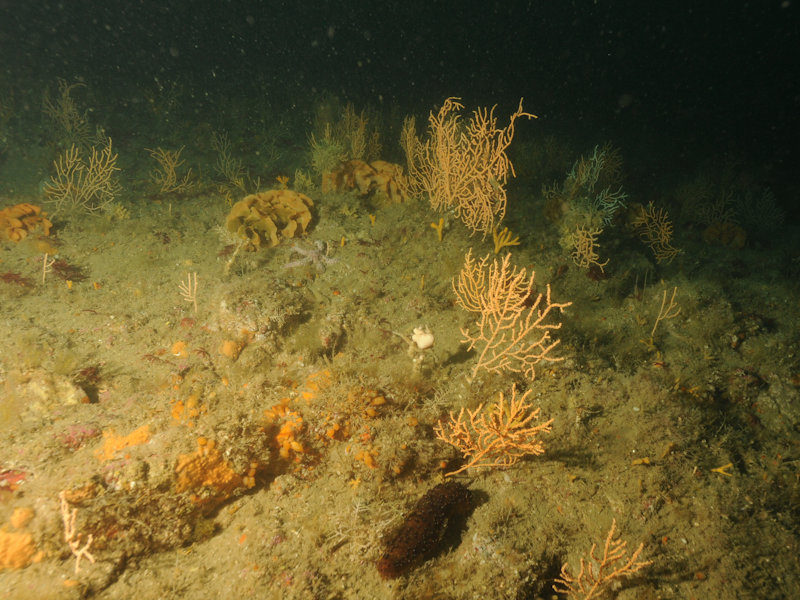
[437,515]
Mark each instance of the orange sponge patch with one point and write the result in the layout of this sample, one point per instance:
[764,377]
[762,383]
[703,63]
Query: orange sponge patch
[208,475]
[21,516]
[315,383]
[230,349]
[113,443]
[16,549]
[187,412]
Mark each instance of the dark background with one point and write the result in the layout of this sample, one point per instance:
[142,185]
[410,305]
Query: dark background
[688,79]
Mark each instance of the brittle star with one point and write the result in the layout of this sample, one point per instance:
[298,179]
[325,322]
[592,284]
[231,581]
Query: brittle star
[316,255]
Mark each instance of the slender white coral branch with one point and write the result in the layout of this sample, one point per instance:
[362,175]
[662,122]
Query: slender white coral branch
[73,538]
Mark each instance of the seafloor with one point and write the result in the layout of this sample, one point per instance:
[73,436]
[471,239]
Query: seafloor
[112,384]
